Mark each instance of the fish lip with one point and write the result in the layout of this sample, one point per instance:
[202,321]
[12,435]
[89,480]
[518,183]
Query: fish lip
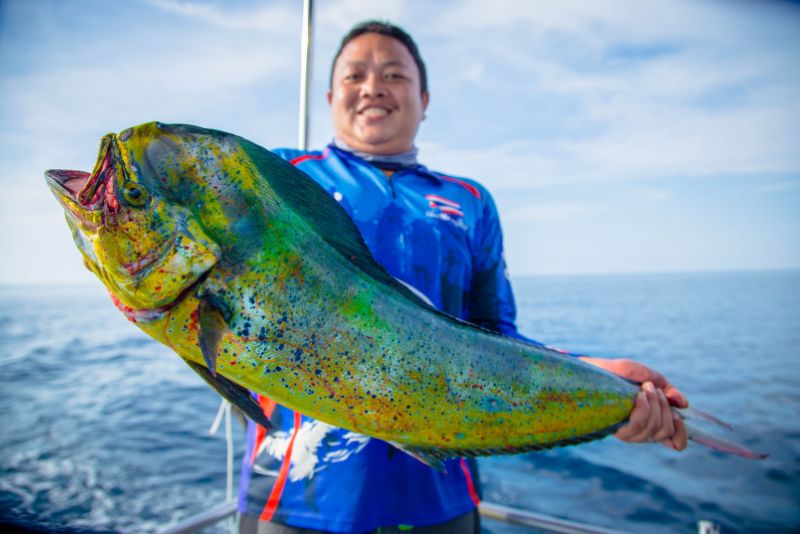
[146,315]
[86,217]
[57,180]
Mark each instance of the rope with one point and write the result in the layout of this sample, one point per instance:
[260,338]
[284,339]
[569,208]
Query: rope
[224,411]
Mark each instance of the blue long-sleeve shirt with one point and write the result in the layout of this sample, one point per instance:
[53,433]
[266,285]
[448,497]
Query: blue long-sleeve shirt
[441,235]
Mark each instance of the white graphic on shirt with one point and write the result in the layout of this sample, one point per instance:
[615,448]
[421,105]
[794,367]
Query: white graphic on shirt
[306,461]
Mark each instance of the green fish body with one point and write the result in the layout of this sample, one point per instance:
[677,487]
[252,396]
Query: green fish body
[255,276]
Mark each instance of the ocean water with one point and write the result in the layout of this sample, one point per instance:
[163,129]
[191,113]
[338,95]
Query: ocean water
[105,430]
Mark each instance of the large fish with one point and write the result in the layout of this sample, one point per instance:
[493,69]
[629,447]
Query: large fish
[258,279]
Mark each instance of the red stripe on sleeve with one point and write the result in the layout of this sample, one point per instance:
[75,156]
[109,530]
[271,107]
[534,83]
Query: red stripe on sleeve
[277,489]
[469,187]
[473,494]
[267,406]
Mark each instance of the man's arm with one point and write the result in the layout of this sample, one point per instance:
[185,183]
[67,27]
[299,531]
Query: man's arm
[491,300]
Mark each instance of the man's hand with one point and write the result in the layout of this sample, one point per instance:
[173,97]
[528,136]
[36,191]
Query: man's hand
[651,419]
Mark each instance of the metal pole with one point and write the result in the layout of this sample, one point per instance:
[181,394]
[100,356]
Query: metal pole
[540,522]
[203,520]
[513,516]
[305,75]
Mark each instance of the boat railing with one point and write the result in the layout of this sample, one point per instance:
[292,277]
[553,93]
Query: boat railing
[506,514]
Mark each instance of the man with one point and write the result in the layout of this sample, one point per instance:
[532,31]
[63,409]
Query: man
[439,234]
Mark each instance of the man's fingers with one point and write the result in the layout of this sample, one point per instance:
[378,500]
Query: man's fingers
[640,422]
[654,419]
[637,420]
[667,427]
[681,437]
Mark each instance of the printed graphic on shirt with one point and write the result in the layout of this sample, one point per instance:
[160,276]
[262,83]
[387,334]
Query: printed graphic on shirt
[446,210]
[317,444]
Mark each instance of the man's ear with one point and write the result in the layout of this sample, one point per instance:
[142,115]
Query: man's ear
[329,95]
[426,97]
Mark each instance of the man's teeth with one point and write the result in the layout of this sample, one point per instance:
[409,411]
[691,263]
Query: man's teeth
[375,112]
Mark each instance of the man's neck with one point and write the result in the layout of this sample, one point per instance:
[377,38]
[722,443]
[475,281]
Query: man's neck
[385,162]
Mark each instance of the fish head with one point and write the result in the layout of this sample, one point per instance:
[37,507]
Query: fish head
[160,209]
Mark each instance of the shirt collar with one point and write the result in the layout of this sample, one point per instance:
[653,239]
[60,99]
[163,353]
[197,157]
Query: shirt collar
[383,162]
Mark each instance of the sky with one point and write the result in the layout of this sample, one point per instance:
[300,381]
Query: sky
[616,137]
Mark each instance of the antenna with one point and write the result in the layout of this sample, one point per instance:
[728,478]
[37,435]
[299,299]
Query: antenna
[305,75]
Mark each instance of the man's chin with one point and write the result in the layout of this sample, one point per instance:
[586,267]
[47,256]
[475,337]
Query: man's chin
[380,143]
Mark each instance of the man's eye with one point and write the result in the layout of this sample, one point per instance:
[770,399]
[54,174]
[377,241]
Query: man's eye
[352,77]
[395,75]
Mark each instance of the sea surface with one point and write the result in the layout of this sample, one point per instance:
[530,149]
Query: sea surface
[105,430]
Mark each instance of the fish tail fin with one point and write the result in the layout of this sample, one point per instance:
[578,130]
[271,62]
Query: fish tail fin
[694,413]
[692,418]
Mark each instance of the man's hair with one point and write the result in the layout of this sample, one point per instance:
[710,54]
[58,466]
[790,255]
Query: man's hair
[389,30]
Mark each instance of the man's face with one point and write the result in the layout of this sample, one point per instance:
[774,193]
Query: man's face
[375,96]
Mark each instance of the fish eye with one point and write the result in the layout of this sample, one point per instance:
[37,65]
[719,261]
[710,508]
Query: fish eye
[134,194]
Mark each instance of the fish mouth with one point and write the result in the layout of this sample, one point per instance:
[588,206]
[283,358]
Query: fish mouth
[79,190]
[68,182]
[66,185]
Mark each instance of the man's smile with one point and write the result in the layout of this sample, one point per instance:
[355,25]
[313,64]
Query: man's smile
[374,111]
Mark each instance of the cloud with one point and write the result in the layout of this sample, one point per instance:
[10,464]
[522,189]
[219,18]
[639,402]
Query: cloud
[335,18]
[649,144]
[551,213]
[576,97]
[782,186]
[275,18]
[54,115]
[655,194]
[591,94]
[598,23]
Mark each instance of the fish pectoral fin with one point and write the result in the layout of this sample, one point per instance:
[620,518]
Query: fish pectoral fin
[211,327]
[431,457]
[233,393]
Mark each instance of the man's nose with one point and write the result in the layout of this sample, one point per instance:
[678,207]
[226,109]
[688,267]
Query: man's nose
[373,86]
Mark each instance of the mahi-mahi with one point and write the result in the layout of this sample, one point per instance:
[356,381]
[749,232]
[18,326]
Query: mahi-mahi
[258,279]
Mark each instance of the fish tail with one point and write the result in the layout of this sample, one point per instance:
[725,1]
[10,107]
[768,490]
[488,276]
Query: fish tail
[694,413]
[692,419]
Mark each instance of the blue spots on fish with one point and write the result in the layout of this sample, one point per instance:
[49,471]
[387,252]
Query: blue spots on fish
[495,405]
[244,331]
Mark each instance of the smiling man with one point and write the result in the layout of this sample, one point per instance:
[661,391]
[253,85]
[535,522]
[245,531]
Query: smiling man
[439,234]
[378,94]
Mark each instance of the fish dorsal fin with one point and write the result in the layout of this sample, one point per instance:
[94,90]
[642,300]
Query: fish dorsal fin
[310,201]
